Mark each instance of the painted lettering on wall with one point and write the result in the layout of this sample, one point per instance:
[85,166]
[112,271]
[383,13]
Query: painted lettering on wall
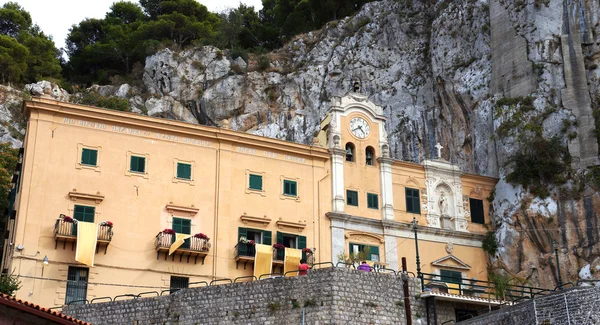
[269,154]
[136,132]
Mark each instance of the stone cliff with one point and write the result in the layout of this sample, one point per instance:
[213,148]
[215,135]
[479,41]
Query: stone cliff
[440,71]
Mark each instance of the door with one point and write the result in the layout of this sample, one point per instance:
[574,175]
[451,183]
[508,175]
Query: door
[182,226]
[77,280]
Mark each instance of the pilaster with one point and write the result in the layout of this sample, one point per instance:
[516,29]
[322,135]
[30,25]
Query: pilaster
[337,178]
[387,197]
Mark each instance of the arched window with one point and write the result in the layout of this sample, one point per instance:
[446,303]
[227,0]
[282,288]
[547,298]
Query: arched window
[350,151]
[369,155]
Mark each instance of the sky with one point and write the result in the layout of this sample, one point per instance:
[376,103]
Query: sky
[57,16]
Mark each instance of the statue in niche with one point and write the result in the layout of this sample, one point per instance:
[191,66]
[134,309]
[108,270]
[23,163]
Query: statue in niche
[443,204]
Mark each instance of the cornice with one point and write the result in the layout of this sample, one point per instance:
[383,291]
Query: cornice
[134,120]
[181,208]
[74,195]
[296,225]
[262,221]
[406,226]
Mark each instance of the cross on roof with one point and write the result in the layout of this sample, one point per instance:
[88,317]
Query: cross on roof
[439,149]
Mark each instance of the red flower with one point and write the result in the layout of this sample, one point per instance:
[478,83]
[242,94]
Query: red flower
[169,231]
[307,250]
[278,246]
[108,223]
[201,236]
[67,219]
[251,243]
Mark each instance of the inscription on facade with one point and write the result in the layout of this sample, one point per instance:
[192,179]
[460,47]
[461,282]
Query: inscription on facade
[269,154]
[136,132]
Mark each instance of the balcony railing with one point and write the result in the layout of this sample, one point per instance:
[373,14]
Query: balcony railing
[244,253]
[66,231]
[192,247]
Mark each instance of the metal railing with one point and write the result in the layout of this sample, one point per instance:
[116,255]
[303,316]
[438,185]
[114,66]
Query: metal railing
[478,288]
[65,228]
[164,240]
[278,254]
[242,249]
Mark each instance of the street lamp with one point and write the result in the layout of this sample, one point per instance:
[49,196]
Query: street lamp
[555,245]
[414,224]
[44,263]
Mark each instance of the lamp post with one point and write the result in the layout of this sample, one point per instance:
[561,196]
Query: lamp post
[414,223]
[555,245]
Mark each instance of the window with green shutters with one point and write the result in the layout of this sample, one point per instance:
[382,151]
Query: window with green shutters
[352,198]
[255,182]
[371,252]
[450,276]
[182,226]
[137,164]
[372,201]
[84,213]
[184,171]
[291,241]
[290,188]
[259,237]
[89,157]
[413,202]
[477,215]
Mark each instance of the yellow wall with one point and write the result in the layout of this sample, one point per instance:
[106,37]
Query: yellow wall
[479,187]
[136,204]
[358,176]
[406,175]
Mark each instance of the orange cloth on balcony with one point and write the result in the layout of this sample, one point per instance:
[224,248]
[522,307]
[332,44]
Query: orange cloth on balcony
[263,260]
[179,240]
[87,236]
[292,260]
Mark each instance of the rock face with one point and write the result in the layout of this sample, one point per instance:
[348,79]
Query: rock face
[438,69]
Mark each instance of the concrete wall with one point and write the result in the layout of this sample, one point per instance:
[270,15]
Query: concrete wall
[573,306]
[329,296]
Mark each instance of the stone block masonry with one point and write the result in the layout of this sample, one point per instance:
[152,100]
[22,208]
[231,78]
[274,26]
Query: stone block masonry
[327,296]
[574,306]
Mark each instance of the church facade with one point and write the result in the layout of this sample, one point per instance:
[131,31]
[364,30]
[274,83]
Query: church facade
[103,196]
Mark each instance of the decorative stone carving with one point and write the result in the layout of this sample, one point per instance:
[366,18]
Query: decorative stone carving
[443,204]
[444,195]
[449,247]
[424,205]
[467,211]
[336,141]
[433,221]
[385,151]
[364,238]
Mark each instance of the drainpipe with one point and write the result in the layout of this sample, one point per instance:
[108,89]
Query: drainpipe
[302,315]
[406,293]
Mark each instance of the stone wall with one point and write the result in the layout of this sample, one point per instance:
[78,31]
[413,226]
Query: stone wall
[573,306]
[326,296]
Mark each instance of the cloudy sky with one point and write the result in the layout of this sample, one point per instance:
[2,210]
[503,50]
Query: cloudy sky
[55,17]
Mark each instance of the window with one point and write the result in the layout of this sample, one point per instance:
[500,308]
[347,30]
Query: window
[182,226]
[413,204]
[84,213]
[89,157]
[477,211]
[184,171]
[352,198]
[369,154]
[137,164]
[290,188]
[77,279]
[178,283]
[450,276]
[259,237]
[255,182]
[372,201]
[349,151]
[371,253]
[291,241]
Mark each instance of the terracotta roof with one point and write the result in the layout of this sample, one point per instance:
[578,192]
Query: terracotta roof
[39,311]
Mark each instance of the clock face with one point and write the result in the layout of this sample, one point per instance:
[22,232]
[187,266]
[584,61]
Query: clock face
[359,127]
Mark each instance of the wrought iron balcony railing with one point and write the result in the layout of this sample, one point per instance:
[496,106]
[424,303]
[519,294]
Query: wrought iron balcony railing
[192,247]
[66,231]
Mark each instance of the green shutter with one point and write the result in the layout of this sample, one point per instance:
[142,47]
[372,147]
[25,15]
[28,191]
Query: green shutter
[182,226]
[255,182]
[137,164]
[302,244]
[89,157]
[184,171]
[450,276]
[351,197]
[280,252]
[374,250]
[290,188]
[477,214]
[266,237]
[242,249]
[84,213]
[372,201]
[413,204]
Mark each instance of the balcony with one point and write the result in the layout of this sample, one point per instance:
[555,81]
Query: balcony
[65,231]
[244,253]
[192,247]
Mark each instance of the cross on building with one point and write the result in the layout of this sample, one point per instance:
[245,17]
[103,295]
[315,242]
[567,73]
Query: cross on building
[439,147]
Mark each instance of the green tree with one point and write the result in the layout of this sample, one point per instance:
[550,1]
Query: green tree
[13,19]
[43,59]
[9,283]
[13,59]
[8,163]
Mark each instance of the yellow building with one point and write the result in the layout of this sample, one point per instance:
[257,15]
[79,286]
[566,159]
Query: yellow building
[123,186]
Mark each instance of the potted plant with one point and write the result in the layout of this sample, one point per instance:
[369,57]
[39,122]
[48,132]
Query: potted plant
[106,224]
[201,236]
[168,231]
[278,246]
[68,219]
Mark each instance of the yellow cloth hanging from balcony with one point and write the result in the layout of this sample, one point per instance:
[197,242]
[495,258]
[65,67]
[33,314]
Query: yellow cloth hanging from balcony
[292,260]
[179,240]
[87,236]
[263,260]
